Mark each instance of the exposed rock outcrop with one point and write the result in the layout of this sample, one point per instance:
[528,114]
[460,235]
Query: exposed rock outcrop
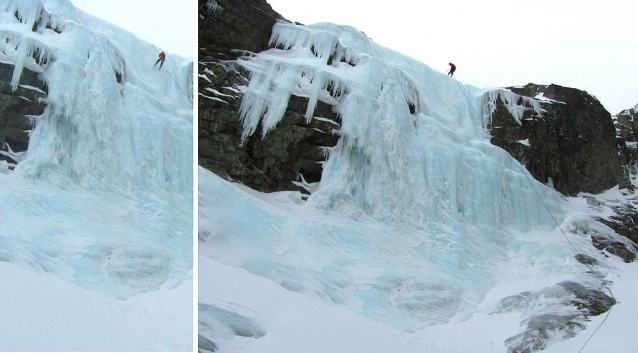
[573,143]
[544,329]
[292,152]
[17,109]
[627,136]
[627,124]
[624,223]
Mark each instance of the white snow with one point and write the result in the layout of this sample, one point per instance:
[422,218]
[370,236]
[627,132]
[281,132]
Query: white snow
[323,274]
[42,312]
[320,118]
[100,206]
[417,231]
[541,97]
[524,142]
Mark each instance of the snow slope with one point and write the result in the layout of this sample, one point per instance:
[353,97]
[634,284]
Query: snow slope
[417,231]
[102,199]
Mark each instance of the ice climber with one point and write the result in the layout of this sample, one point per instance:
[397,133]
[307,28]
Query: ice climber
[162,57]
[452,69]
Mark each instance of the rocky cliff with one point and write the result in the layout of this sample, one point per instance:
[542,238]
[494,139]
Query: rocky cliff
[18,110]
[627,124]
[573,142]
[293,152]
[573,145]
[627,136]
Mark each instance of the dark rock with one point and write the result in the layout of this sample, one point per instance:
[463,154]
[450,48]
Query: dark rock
[539,331]
[586,259]
[544,329]
[235,24]
[604,241]
[614,247]
[626,128]
[265,163]
[624,222]
[591,301]
[627,124]
[17,108]
[204,344]
[574,143]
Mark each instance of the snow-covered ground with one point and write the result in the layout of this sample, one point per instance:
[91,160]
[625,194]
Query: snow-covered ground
[277,314]
[96,239]
[294,323]
[421,235]
[41,312]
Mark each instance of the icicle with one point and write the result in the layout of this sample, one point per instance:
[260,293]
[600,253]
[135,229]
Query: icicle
[23,51]
[510,100]
[318,84]
[402,125]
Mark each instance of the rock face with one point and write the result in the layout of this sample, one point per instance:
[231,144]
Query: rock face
[226,25]
[544,329]
[17,109]
[623,222]
[295,149]
[627,135]
[573,143]
[627,124]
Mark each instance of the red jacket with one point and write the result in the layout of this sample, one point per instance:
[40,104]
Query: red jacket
[162,55]
[452,66]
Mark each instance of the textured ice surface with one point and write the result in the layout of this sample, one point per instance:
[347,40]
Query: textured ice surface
[103,196]
[393,273]
[417,217]
[410,136]
[425,202]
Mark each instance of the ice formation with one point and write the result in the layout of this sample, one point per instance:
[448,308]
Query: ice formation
[410,136]
[103,196]
[418,222]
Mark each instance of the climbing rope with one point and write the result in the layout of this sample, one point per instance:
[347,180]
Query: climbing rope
[590,267]
[169,74]
[468,99]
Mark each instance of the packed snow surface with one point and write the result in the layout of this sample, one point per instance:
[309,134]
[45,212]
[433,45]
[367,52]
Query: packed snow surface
[102,199]
[417,232]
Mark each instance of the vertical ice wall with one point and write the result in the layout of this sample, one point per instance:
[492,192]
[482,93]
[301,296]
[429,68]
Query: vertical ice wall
[113,122]
[103,197]
[414,145]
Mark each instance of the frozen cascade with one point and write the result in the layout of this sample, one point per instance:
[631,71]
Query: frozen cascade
[103,197]
[409,138]
[415,208]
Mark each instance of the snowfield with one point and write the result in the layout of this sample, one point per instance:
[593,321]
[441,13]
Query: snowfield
[421,235]
[96,240]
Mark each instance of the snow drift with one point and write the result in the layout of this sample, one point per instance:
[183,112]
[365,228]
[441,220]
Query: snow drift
[103,196]
[417,220]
